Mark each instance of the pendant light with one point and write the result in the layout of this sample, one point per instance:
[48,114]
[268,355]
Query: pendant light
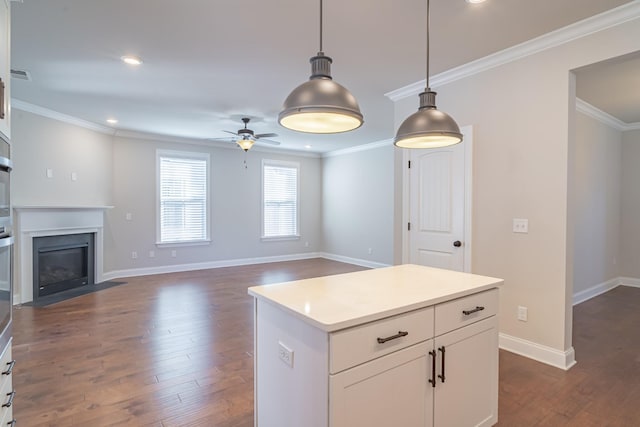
[428,127]
[321,105]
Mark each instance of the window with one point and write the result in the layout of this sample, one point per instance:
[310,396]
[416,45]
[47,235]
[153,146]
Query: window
[279,199]
[183,203]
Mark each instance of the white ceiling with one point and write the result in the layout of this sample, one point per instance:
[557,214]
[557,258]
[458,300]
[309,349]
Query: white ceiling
[207,63]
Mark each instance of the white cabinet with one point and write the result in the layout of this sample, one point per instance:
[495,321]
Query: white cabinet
[389,391]
[5,68]
[326,357]
[6,386]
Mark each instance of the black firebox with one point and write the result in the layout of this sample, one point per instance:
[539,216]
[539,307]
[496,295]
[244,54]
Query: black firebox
[62,262]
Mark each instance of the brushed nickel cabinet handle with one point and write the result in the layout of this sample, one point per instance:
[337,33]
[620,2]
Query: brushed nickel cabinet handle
[10,401]
[400,334]
[468,312]
[10,368]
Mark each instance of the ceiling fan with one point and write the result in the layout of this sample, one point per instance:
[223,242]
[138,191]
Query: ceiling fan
[245,137]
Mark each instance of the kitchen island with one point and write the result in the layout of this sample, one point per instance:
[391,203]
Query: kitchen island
[399,346]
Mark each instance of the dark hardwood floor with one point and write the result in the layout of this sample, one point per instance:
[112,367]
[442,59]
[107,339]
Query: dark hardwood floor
[176,350]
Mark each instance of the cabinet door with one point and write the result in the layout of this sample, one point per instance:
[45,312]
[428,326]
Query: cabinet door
[5,46]
[468,393]
[392,390]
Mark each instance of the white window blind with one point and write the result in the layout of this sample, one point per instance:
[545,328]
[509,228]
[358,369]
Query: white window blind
[183,201]
[280,199]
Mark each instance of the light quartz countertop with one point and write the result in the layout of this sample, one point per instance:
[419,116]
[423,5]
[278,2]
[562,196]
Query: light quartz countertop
[336,302]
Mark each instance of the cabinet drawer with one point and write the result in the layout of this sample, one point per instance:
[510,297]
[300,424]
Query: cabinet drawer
[360,344]
[5,397]
[466,310]
[5,366]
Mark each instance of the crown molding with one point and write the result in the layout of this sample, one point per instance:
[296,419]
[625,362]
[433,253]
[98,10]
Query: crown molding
[603,117]
[594,24]
[358,148]
[51,114]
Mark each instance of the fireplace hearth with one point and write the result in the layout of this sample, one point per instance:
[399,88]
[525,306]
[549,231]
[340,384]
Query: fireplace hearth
[62,262]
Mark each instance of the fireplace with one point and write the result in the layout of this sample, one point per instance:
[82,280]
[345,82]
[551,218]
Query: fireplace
[62,262]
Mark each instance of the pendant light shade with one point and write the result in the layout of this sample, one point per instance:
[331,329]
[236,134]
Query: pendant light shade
[320,105]
[428,127]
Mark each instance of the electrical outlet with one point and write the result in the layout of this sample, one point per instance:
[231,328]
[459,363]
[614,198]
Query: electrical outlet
[285,354]
[49,173]
[128,216]
[174,254]
[152,254]
[74,176]
[520,225]
[134,255]
[306,244]
[369,251]
[522,313]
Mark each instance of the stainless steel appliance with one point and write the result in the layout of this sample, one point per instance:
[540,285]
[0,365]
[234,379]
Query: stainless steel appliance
[5,200]
[6,288]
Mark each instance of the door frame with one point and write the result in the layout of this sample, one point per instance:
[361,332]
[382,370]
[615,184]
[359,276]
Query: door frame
[467,132]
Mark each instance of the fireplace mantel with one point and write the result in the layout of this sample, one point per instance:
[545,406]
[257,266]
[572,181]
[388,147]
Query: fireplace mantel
[37,221]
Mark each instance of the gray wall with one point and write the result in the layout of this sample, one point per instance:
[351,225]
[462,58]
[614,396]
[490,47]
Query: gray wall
[597,178]
[630,223]
[358,204]
[40,143]
[121,172]
[235,207]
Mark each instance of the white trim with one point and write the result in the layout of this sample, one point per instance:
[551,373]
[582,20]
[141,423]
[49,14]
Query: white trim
[603,117]
[45,112]
[629,281]
[354,261]
[608,19]
[596,290]
[551,356]
[358,148]
[176,268]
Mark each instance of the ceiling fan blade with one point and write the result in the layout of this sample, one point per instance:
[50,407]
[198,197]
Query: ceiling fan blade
[265,135]
[232,133]
[227,139]
[267,141]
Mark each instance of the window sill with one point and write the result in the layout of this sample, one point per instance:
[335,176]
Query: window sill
[279,238]
[183,243]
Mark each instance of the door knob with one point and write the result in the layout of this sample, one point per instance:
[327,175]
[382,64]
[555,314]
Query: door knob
[457,243]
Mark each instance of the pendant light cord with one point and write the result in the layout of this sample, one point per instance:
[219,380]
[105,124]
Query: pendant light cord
[428,88]
[320,25]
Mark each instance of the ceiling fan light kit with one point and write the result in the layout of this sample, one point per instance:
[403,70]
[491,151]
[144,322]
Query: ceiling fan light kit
[428,127]
[321,105]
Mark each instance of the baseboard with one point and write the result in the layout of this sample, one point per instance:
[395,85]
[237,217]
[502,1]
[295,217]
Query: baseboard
[541,353]
[147,271]
[629,281]
[596,290]
[354,261]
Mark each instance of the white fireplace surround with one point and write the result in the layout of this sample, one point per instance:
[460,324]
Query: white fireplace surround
[39,221]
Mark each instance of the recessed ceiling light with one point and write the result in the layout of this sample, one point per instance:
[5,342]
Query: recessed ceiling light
[112,121]
[131,60]
[307,146]
[475,1]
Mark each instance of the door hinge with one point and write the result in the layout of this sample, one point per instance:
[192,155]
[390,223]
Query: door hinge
[408,226]
[409,162]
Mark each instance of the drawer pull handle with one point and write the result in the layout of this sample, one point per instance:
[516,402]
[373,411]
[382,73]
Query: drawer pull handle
[475,310]
[441,349]
[432,380]
[12,423]
[400,334]
[10,401]
[10,368]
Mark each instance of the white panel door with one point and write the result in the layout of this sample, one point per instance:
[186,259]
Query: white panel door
[436,208]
